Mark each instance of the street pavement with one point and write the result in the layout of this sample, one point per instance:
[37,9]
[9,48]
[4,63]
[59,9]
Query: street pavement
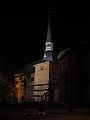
[50,114]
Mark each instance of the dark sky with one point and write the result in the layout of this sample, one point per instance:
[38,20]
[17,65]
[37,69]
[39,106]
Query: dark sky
[22,38]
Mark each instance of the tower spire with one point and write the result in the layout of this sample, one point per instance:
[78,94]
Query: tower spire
[49,34]
[49,43]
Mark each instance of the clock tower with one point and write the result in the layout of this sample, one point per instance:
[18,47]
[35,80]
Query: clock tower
[49,44]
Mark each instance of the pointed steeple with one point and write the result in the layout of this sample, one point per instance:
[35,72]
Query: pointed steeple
[49,43]
[49,34]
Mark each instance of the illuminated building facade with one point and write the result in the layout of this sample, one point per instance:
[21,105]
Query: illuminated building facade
[41,80]
[36,80]
[24,83]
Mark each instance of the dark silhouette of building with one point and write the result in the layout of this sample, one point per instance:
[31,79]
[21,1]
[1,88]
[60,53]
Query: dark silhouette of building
[73,73]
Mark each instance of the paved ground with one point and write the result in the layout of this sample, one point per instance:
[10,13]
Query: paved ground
[51,114]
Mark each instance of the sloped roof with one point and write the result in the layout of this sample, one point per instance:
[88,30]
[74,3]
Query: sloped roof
[63,52]
[30,65]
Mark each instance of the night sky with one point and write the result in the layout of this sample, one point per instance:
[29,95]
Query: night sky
[22,38]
